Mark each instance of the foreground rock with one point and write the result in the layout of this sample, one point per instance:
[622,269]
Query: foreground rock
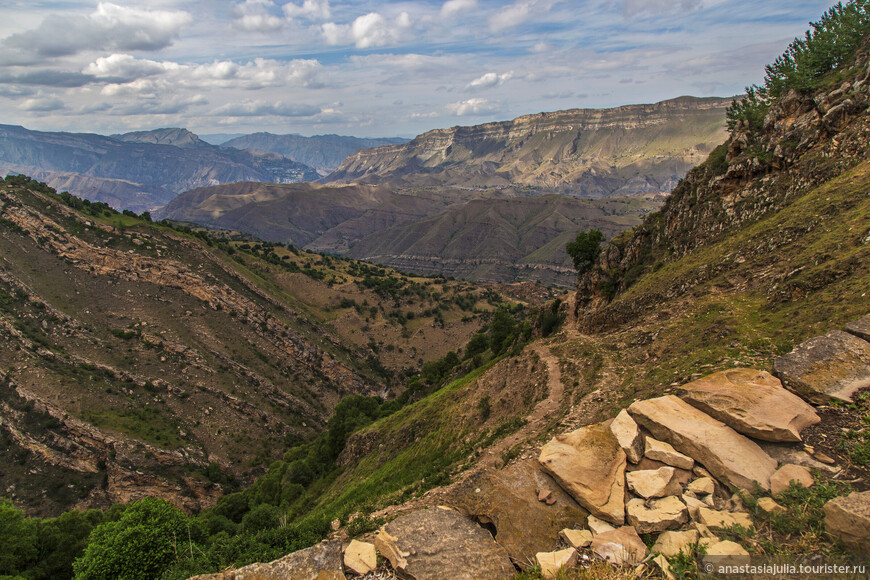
[440,543]
[628,435]
[751,402]
[860,328]
[590,465]
[508,500]
[781,480]
[620,546]
[320,562]
[672,543]
[728,455]
[827,367]
[360,557]
[848,518]
[663,452]
[657,515]
[654,483]
[552,563]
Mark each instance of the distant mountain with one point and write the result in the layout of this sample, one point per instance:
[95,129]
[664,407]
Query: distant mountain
[322,152]
[137,171]
[586,152]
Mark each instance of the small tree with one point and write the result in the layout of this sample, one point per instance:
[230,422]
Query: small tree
[585,249]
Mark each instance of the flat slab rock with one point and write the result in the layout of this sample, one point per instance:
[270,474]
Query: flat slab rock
[440,543]
[827,367]
[860,328]
[508,499]
[731,457]
[751,402]
[320,562]
[589,464]
[848,518]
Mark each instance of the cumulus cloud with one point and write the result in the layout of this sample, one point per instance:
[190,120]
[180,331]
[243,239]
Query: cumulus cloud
[41,104]
[255,16]
[634,8]
[489,80]
[47,78]
[520,12]
[310,9]
[266,109]
[368,30]
[125,66]
[109,27]
[475,106]
[453,7]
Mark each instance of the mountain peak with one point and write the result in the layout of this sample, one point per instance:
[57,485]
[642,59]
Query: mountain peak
[175,136]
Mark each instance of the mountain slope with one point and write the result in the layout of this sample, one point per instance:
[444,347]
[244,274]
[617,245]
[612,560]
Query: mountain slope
[322,152]
[154,165]
[592,152]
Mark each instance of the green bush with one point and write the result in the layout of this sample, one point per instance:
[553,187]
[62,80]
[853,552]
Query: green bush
[585,249]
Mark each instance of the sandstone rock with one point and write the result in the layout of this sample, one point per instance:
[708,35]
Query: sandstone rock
[655,483]
[661,451]
[360,557]
[783,477]
[722,519]
[552,563]
[665,567]
[767,505]
[620,546]
[693,504]
[789,453]
[848,518]
[656,515]
[827,367]
[628,435]
[590,465]
[320,562]
[440,543]
[703,530]
[672,543]
[860,328]
[576,538]
[751,402]
[597,526]
[507,500]
[702,486]
[724,553]
[728,455]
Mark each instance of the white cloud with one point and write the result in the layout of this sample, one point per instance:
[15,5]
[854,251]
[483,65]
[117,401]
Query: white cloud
[453,7]
[637,7]
[254,16]
[266,108]
[41,104]
[109,27]
[310,9]
[473,106]
[368,30]
[125,66]
[489,80]
[520,12]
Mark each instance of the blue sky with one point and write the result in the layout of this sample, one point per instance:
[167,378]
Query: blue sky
[365,68]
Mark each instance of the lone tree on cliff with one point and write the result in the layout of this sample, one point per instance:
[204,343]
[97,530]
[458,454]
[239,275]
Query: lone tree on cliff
[585,249]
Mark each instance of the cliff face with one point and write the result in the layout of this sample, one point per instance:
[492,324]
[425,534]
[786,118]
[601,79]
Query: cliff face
[630,149]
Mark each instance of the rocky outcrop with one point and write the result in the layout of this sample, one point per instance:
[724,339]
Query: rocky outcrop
[860,328]
[321,562]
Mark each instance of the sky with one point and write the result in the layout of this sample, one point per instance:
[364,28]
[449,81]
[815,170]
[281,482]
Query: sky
[366,68]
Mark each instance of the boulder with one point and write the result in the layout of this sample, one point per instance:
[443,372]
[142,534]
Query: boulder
[590,465]
[827,367]
[552,563]
[702,486]
[320,562]
[620,546]
[672,543]
[656,515]
[751,402]
[654,483]
[728,455]
[848,518]
[660,451]
[860,328]
[722,519]
[576,538]
[507,500]
[440,543]
[783,477]
[360,557]
[597,526]
[628,435]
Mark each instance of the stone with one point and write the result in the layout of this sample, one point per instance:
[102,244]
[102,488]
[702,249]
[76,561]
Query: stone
[751,402]
[789,453]
[661,451]
[665,567]
[693,504]
[507,499]
[439,543]
[320,562]
[703,531]
[656,515]
[724,553]
[628,435]
[597,526]
[552,563]
[590,465]
[783,477]
[722,519]
[620,546]
[731,457]
[825,368]
[672,543]
[767,505]
[654,483]
[544,494]
[576,538]
[860,328]
[360,557]
[702,486]
[848,518]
